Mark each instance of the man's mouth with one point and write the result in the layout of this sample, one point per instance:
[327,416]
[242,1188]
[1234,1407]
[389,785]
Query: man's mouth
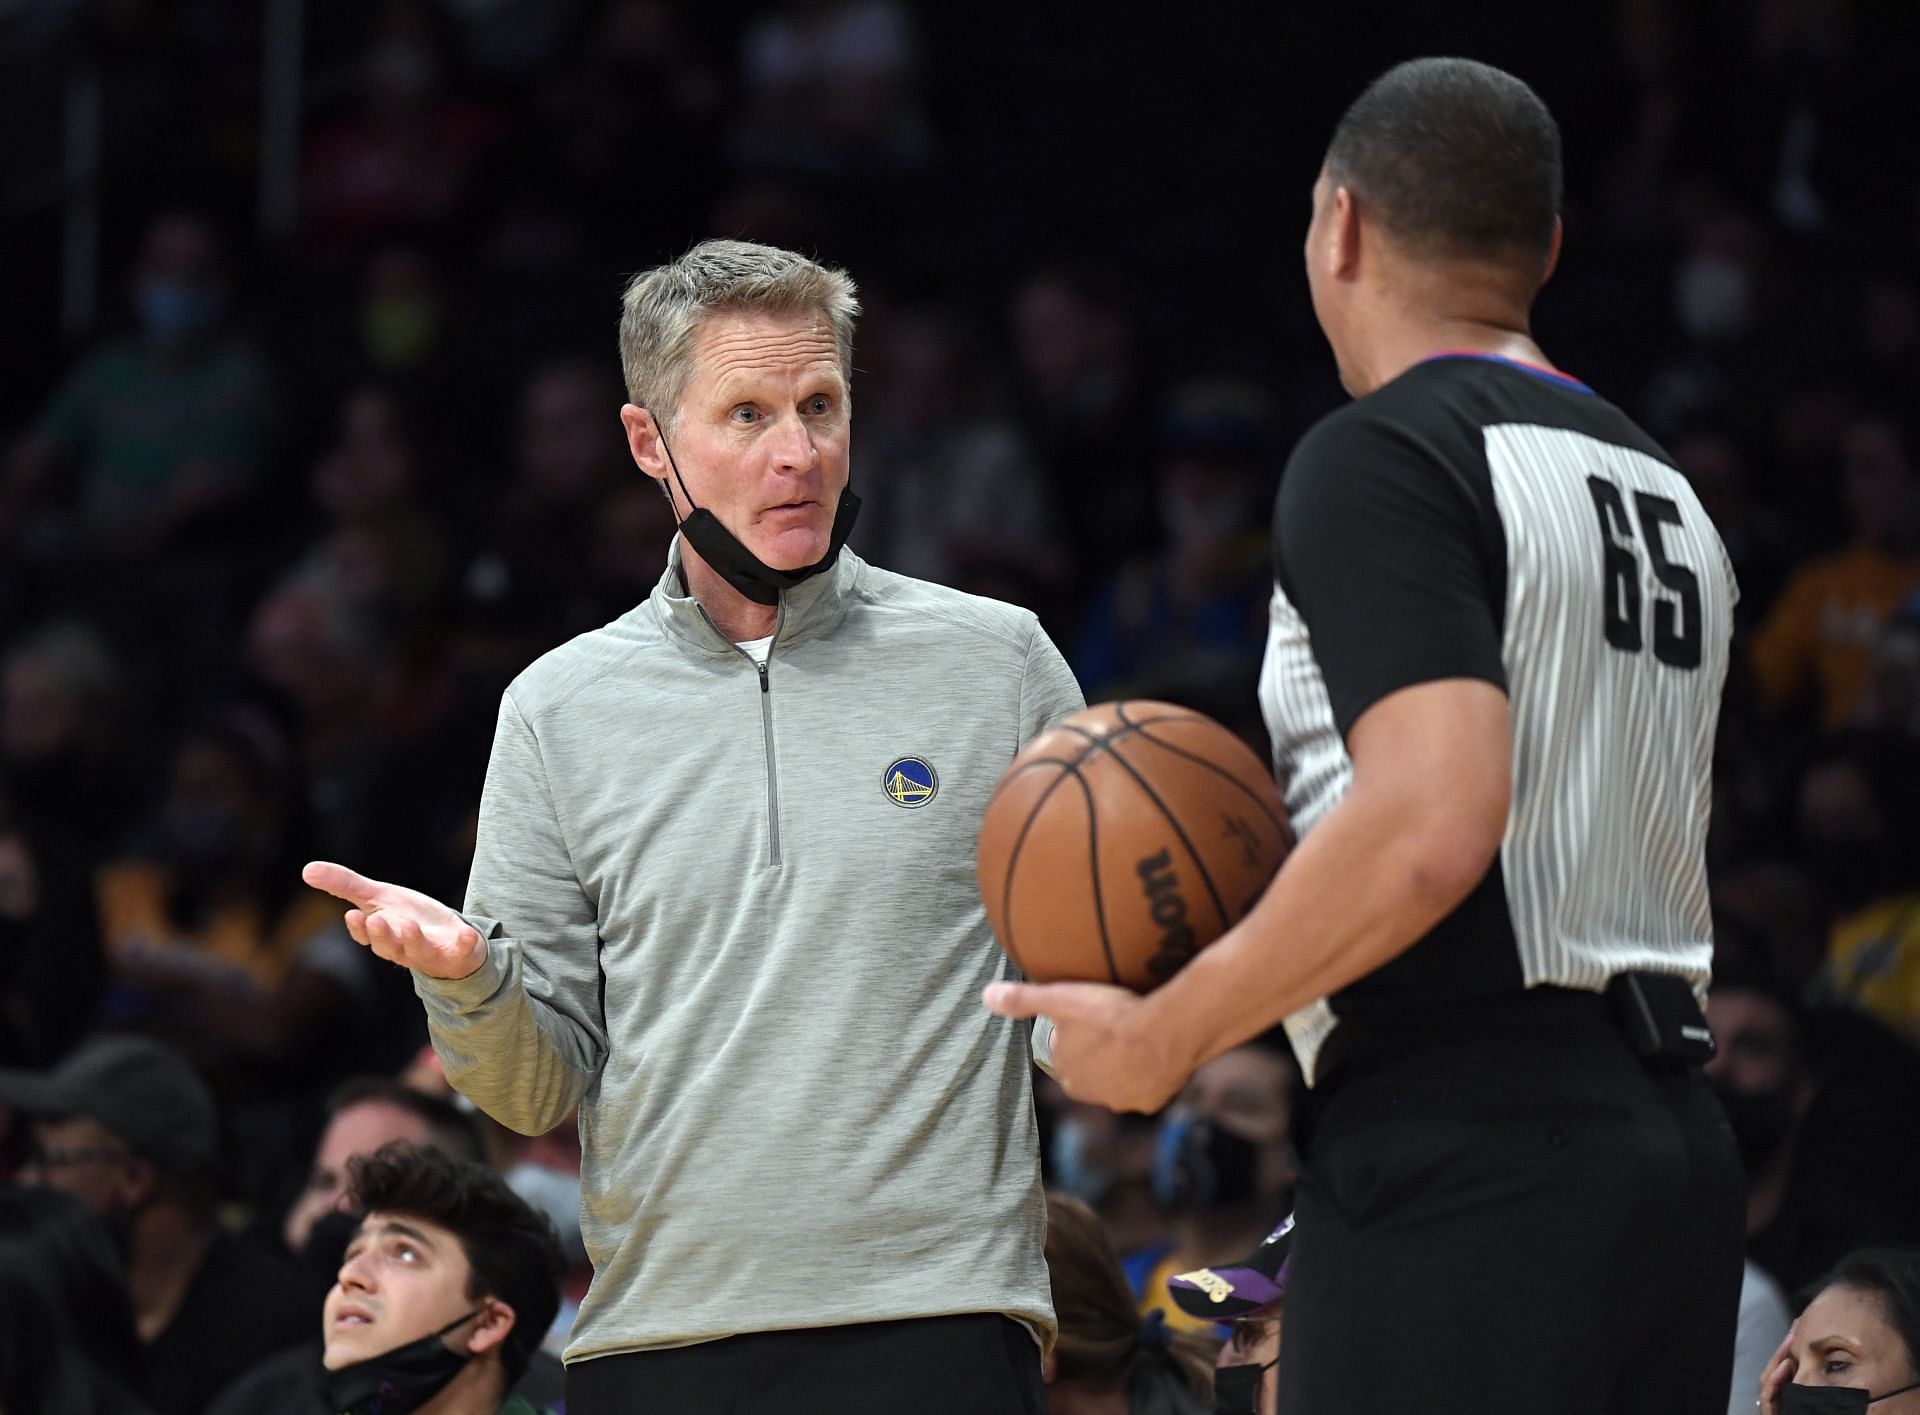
[349,1315]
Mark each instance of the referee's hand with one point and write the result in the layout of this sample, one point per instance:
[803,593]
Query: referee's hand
[1104,1051]
[402,925]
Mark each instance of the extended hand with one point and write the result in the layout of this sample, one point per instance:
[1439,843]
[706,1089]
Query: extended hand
[1105,1048]
[402,925]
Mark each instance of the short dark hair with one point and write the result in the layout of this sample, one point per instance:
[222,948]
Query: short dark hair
[452,1128]
[1456,158]
[512,1253]
[1892,1275]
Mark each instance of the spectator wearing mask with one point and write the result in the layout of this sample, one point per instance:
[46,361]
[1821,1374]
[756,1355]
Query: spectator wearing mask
[67,1344]
[1821,1107]
[364,1113]
[1856,1347]
[444,1292]
[374,1116]
[1249,1296]
[1220,1168]
[1108,1360]
[127,1127]
[165,428]
[1819,637]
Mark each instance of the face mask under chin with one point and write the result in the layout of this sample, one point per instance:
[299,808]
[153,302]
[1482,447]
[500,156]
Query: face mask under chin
[739,566]
[398,1381]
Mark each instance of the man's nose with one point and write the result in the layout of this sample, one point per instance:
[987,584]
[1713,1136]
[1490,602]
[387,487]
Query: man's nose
[793,447]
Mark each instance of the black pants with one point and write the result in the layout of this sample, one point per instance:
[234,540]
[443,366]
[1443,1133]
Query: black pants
[1514,1225]
[968,1365]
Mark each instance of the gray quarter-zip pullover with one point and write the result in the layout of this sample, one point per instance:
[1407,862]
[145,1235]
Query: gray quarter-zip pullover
[727,920]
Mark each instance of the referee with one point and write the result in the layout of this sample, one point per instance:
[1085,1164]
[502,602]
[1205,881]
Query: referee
[1496,648]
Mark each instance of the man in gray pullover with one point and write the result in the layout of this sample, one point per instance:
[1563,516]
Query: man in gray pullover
[723,902]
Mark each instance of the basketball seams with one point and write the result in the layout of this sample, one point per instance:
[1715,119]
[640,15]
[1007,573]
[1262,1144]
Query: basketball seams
[1206,878]
[1069,770]
[1266,807]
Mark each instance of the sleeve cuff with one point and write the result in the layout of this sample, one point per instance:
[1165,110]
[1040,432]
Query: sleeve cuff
[460,996]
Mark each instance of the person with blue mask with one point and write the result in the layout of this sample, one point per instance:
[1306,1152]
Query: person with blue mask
[165,429]
[1220,1170]
[1856,1347]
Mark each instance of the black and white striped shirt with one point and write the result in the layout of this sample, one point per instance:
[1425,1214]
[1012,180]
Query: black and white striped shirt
[1479,518]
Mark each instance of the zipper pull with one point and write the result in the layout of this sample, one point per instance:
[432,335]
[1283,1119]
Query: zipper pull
[763,675]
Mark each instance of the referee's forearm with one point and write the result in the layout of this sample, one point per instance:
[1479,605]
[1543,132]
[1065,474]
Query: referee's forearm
[1357,892]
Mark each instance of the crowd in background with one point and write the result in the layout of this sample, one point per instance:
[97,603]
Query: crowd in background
[277,531]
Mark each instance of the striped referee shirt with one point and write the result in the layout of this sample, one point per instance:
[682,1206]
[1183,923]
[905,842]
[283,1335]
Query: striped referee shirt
[1481,518]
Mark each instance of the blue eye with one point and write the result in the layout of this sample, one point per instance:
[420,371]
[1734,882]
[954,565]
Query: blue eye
[744,414]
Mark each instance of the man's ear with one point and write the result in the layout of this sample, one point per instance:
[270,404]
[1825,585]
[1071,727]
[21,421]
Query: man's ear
[496,1324]
[644,441]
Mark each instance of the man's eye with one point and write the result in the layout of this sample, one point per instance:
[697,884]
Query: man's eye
[406,1252]
[745,415]
[819,404]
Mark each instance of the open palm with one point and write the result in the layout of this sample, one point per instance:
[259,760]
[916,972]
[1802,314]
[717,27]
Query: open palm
[402,925]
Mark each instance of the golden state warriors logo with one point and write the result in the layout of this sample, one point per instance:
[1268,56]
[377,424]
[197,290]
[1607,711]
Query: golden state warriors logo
[910,782]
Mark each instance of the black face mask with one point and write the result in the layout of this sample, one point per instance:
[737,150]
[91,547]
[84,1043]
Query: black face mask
[1199,1165]
[1761,1123]
[737,565]
[326,1245]
[1831,1400]
[399,1380]
[1236,1389]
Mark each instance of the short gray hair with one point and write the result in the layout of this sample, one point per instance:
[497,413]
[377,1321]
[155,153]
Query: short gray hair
[663,307]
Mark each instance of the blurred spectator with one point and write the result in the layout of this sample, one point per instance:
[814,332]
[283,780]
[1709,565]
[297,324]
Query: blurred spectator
[1860,1334]
[1194,613]
[67,1343]
[831,89]
[402,159]
[212,940]
[569,455]
[51,970]
[165,429]
[1826,1112]
[1891,702]
[1859,814]
[1250,1296]
[1819,637]
[442,1296]
[1221,1169]
[1719,471]
[945,480]
[1081,395]
[362,1115]
[61,756]
[126,1126]
[1107,1360]
[402,311]
[380,552]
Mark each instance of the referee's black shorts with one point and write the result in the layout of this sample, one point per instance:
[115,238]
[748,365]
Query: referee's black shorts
[1527,1220]
[977,1364]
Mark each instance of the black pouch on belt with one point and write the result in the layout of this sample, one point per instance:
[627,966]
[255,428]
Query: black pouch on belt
[1660,1016]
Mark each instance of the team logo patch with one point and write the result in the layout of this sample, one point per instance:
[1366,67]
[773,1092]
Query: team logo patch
[910,782]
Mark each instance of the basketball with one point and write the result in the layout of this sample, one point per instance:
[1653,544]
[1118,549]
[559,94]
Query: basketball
[1125,839]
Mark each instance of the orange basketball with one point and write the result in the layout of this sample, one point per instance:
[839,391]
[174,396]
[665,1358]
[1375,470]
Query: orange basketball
[1124,840]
